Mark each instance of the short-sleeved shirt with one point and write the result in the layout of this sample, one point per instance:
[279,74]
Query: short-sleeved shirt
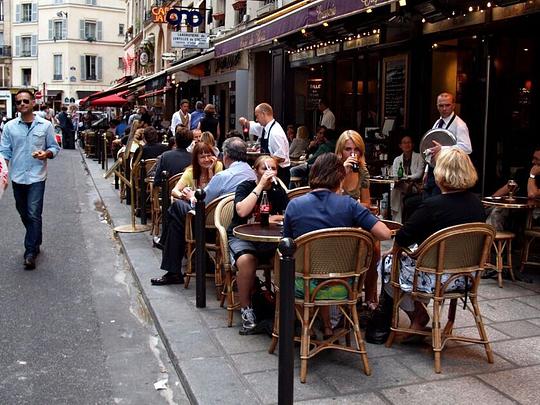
[277,197]
[363,183]
[321,209]
[188,180]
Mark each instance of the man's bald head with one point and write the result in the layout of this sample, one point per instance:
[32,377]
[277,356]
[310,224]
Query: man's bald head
[264,113]
[445,104]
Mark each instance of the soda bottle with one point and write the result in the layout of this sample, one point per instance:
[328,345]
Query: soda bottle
[264,210]
[400,171]
[245,132]
[355,167]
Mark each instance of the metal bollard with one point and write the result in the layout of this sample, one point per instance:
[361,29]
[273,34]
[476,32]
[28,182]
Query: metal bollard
[200,248]
[104,151]
[142,193]
[287,248]
[97,145]
[165,200]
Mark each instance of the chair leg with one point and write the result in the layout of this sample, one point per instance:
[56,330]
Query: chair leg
[481,329]
[436,335]
[359,341]
[395,317]
[189,269]
[304,345]
[451,318]
[230,298]
[499,247]
[525,253]
[275,329]
[510,266]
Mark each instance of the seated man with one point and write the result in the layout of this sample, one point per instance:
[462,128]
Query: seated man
[224,182]
[176,160]
[323,208]
[528,185]
[324,142]
[412,168]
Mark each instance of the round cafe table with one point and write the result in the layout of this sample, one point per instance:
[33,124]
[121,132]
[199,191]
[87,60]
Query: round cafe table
[522,203]
[390,181]
[258,233]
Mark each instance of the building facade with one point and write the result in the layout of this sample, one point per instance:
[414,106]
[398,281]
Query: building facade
[67,49]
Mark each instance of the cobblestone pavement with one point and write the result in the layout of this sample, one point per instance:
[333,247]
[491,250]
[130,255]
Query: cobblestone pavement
[216,364]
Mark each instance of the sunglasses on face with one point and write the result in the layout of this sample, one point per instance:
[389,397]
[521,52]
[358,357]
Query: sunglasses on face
[24,100]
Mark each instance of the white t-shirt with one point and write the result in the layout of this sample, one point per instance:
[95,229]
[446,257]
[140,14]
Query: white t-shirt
[278,145]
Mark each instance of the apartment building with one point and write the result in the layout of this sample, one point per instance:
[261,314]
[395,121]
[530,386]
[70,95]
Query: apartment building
[67,48]
[5,58]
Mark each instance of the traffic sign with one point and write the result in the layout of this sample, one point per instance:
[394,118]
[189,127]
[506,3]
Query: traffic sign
[38,95]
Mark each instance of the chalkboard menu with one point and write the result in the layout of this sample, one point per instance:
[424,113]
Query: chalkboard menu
[314,93]
[395,88]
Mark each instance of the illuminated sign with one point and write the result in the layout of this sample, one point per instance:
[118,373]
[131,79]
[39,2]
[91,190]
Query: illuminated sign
[174,17]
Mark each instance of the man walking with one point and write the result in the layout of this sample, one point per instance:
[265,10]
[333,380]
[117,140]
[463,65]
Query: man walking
[27,143]
[328,119]
[64,120]
[181,117]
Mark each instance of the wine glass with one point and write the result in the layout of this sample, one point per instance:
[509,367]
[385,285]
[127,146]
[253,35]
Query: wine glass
[512,187]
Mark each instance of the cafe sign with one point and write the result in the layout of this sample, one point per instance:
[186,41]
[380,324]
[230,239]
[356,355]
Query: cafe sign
[361,42]
[173,16]
[196,40]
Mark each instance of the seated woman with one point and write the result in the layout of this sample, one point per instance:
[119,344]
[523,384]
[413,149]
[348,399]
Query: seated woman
[204,165]
[323,208]
[351,150]
[454,174]
[299,143]
[246,208]
[208,138]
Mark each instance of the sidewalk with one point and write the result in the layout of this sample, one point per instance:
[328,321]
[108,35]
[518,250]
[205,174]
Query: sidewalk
[216,364]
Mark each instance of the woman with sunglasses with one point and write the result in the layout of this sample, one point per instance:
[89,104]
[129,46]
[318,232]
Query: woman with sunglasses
[246,254]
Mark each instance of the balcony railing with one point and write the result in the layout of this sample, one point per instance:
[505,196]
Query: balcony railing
[57,77]
[5,51]
[26,54]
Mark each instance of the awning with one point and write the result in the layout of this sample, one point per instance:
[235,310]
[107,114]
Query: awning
[112,90]
[310,15]
[97,99]
[204,57]
[85,93]
[152,93]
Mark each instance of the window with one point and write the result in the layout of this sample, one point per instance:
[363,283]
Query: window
[57,67]
[1,38]
[91,67]
[26,46]
[58,25]
[1,10]
[120,29]
[58,1]
[26,77]
[91,30]
[26,12]
[121,63]
[91,2]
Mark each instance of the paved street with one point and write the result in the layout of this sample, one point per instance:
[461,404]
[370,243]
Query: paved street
[61,345]
[75,330]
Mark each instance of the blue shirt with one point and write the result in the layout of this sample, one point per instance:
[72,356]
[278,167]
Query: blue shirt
[227,180]
[18,143]
[196,117]
[323,209]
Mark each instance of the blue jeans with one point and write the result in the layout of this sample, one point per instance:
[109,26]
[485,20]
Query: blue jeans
[29,203]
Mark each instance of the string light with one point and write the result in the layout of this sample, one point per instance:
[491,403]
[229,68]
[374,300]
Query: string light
[325,24]
[488,4]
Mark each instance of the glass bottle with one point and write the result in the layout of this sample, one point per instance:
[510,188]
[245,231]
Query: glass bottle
[400,171]
[264,210]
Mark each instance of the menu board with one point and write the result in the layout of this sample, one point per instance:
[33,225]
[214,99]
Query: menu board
[314,93]
[395,87]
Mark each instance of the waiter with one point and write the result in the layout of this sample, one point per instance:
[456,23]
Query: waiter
[272,138]
[451,122]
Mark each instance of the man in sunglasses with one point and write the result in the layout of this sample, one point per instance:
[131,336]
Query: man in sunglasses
[27,142]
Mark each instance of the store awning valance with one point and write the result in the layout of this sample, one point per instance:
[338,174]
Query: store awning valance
[309,15]
[204,57]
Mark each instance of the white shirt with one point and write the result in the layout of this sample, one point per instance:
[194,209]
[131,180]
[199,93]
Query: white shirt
[278,145]
[328,119]
[460,130]
[177,119]
[417,166]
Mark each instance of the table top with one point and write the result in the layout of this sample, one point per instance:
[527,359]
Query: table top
[516,202]
[257,233]
[394,226]
[383,180]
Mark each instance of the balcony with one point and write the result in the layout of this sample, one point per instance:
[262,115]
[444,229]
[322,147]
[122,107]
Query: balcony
[267,7]
[5,51]
[25,54]
[57,77]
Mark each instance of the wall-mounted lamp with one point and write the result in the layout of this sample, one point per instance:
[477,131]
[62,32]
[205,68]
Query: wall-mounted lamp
[62,14]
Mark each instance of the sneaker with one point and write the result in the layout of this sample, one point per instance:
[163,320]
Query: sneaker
[248,320]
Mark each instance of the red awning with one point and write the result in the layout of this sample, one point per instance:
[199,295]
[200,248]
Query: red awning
[112,100]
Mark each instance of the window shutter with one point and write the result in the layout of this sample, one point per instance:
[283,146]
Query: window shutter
[34,12]
[81,30]
[51,29]
[99,66]
[83,67]
[17,46]
[64,29]
[33,46]
[99,31]
[18,13]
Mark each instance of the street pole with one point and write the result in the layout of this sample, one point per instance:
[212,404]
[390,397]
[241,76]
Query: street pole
[200,248]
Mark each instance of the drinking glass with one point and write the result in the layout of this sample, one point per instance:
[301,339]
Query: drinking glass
[512,188]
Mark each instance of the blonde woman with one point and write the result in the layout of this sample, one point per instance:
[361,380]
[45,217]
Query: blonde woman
[350,149]
[208,138]
[300,143]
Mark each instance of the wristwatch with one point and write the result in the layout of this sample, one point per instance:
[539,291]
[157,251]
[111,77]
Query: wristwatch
[532,176]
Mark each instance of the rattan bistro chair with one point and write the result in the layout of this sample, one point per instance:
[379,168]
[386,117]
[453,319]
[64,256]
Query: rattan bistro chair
[155,206]
[297,192]
[222,219]
[460,251]
[331,256]
[212,244]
